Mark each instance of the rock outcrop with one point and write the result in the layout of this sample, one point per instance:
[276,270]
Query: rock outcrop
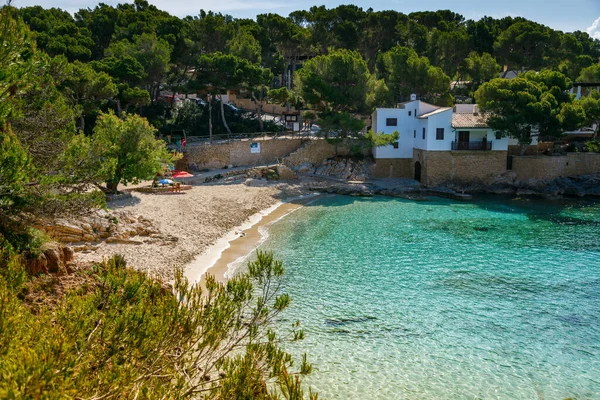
[339,168]
[579,186]
[406,188]
[114,226]
[55,259]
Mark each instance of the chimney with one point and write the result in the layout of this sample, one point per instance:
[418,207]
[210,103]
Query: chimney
[505,68]
[475,109]
[413,97]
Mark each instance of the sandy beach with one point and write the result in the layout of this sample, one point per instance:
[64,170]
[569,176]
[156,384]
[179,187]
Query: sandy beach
[198,224]
[224,257]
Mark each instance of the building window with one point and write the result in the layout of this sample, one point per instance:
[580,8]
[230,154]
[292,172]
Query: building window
[409,113]
[415,134]
[498,136]
[415,113]
[391,122]
[423,133]
[395,145]
[439,134]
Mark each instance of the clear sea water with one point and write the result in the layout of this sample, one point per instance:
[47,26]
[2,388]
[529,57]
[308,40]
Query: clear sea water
[497,298]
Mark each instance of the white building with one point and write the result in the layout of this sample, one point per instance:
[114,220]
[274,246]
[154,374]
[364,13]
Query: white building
[432,128]
[427,131]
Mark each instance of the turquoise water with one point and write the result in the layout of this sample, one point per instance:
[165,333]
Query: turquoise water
[438,299]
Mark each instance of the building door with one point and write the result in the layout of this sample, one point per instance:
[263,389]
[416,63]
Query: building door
[463,137]
[418,171]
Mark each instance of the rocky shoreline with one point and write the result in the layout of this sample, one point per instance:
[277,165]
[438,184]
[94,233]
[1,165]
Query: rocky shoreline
[588,185]
[349,177]
[577,186]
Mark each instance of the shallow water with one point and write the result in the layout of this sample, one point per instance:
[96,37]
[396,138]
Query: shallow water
[438,299]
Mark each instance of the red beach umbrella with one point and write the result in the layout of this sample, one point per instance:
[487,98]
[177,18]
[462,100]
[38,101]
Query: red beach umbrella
[182,174]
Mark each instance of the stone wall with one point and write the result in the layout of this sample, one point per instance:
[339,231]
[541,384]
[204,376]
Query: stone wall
[551,167]
[515,149]
[438,167]
[218,155]
[392,168]
[317,150]
[248,104]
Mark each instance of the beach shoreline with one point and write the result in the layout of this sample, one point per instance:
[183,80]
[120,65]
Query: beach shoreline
[224,257]
[182,227]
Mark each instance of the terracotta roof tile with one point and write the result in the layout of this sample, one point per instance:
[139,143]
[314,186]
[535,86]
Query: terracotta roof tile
[468,120]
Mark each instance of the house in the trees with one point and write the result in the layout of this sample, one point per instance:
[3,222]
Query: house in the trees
[438,144]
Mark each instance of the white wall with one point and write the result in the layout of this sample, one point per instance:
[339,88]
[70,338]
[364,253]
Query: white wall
[464,108]
[441,120]
[498,144]
[425,108]
[405,126]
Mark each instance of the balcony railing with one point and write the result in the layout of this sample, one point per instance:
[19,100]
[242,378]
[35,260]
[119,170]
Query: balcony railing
[480,145]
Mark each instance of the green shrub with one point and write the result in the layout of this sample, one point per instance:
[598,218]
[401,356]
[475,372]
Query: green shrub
[592,146]
[129,336]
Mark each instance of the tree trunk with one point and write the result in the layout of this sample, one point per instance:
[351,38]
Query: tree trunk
[293,72]
[82,123]
[259,110]
[210,118]
[286,82]
[223,115]
[156,92]
[119,110]
[112,185]
[524,147]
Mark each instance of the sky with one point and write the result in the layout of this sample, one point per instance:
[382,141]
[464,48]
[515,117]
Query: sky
[564,15]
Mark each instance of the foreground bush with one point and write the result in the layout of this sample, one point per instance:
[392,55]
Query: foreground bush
[121,334]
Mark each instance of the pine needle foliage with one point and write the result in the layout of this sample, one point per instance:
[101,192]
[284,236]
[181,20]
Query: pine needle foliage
[123,335]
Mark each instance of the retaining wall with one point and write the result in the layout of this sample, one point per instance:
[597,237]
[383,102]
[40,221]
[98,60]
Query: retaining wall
[218,155]
[438,167]
[392,168]
[317,150]
[552,167]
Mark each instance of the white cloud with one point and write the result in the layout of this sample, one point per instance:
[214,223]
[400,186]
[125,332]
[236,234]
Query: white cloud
[594,30]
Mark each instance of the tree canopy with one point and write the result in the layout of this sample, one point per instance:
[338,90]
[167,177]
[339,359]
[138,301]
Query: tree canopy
[533,101]
[125,150]
[338,81]
[143,49]
[406,73]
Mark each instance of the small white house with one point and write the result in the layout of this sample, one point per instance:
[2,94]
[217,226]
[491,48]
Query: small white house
[431,128]
[427,130]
